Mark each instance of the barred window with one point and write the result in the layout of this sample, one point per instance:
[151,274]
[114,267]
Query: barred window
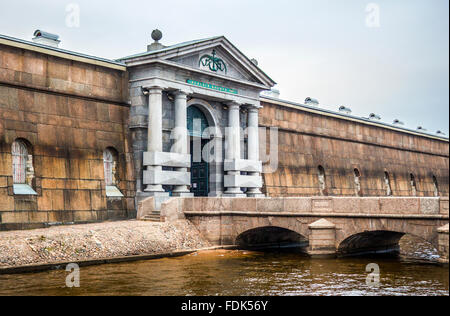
[412,180]
[109,167]
[19,160]
[387,184]
[357,175]
[322,180]
[436,186]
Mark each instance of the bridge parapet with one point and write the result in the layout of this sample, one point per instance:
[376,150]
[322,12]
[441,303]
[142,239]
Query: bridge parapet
[330,206]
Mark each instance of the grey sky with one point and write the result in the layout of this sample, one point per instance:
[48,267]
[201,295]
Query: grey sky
[317,48]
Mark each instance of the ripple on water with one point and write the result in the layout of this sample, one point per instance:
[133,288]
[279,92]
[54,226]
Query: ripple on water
[239,273]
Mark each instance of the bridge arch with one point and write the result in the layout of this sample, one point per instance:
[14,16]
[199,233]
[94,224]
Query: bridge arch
[276,225]
[383,234]
[270,236]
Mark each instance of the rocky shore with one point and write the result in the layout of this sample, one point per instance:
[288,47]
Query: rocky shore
[96,241]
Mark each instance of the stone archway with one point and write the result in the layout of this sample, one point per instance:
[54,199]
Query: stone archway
[208,149]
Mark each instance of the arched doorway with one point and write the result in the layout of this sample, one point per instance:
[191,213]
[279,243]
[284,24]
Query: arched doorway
[197,123]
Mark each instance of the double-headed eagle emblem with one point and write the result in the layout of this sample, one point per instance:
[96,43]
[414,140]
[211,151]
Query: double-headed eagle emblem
[214,63]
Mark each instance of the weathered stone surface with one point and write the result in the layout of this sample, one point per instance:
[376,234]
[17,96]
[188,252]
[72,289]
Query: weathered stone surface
[326,230]
[348,145]
[67,131]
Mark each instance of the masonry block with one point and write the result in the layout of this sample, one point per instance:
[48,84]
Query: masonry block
[167,177]
[242,181]
[443,242]
[322,239]
[167,159]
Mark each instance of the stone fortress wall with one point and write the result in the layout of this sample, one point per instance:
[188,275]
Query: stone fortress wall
[308,140]
[67,112]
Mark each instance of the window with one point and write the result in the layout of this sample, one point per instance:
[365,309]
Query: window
[387,184]
[357,182]
[412,181]
[436,186]
[322,181]
[109,166]
[19,160]
[23,171]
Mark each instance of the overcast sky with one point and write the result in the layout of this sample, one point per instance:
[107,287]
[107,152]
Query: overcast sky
[339,52]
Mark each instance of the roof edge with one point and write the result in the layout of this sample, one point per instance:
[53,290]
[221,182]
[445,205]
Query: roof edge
[304,107]
[61,53]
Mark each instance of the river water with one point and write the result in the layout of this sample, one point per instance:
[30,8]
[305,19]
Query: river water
[248,273]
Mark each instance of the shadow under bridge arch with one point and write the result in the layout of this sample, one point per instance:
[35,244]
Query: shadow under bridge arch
[271,237]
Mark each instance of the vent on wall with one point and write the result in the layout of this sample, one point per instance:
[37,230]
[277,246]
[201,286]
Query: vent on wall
[345,110]
[398,122]
[311,101]
[374,117]
[46,38]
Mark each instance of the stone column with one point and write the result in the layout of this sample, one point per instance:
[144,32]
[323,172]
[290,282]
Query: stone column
[233,150]
[253,146]
[216,167]
[154,143]
[180,135]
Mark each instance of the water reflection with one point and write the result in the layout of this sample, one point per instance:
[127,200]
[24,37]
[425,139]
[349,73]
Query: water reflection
[239,273]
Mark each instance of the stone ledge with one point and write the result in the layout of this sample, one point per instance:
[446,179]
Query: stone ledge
[167,159]
[154,177]
[243,165]
[340,215]
[242,181]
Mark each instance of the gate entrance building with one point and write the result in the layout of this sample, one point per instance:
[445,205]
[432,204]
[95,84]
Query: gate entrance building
[194,119]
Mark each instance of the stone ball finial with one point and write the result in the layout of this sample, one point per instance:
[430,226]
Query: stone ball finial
[157,35]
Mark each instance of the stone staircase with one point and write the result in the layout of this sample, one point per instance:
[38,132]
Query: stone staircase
[153,216]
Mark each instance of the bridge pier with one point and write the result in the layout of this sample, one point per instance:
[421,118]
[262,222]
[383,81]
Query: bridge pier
[322,239]
[443,243]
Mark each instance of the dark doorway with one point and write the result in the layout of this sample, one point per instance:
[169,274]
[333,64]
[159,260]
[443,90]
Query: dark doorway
[199,173]
[197,124]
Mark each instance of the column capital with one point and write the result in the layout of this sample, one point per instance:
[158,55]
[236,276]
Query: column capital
[180,94]
[253,109]
[233,104]
[152,90]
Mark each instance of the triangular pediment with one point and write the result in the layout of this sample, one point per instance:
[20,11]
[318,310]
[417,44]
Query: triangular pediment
[215,56]
[219,61]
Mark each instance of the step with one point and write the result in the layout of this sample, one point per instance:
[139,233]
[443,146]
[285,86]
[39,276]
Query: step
[152,217]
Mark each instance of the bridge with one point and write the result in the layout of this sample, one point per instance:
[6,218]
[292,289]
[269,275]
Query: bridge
[330,226]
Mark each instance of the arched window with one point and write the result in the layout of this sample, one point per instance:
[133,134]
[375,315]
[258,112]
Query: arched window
[357,175]
[412,181]
[436,186]
[110,169]
[109,165]
[387,184]
[322,180]
[19,160]
[22,167]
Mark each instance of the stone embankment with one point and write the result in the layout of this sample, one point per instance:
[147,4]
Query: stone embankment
[96,241]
